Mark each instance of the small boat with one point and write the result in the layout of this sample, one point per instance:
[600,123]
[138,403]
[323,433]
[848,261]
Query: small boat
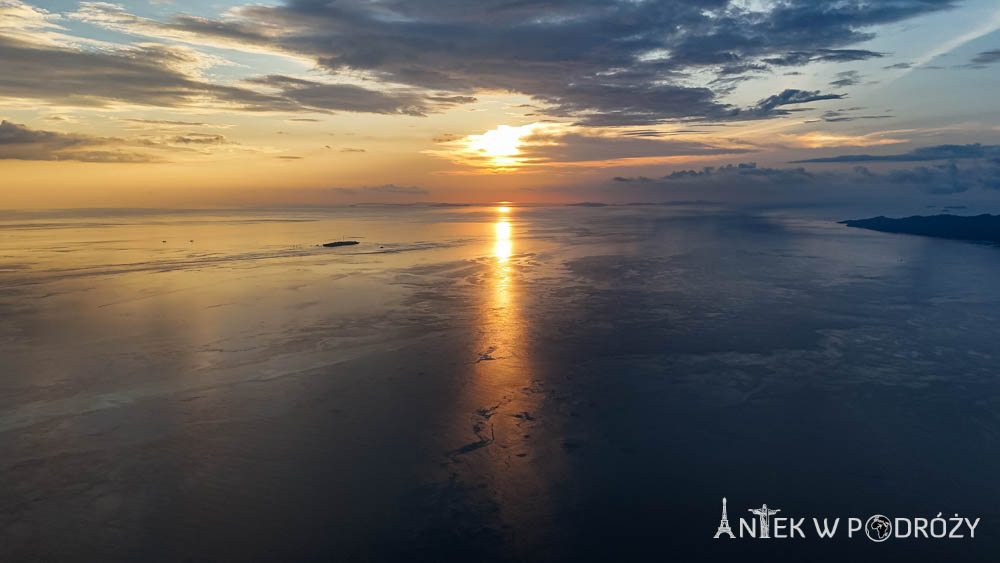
[340,243]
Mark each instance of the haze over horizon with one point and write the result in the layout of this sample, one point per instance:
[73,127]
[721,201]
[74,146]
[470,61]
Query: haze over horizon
[182,103]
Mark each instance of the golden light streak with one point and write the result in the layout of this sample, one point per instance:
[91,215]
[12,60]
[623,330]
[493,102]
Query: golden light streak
[503,246]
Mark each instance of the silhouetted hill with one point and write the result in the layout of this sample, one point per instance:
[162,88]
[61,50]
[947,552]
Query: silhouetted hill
[980,227]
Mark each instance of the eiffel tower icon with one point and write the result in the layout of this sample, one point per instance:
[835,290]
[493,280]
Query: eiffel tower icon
[724,524]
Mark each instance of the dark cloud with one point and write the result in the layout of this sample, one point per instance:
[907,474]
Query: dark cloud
[741,68]
[446,138]
[791,59]
[630,104]
[846,55]
[230,30]
[987,57]
[798,58]
[939,179]
[12,134]
[949,178]
[453,99]
[166,122]
[145,75]
[846,78]
[599,62]
[19,142]
[774,105]
[651,133]
[342,97]
[745,172]
[199,139]
[157,75]
[834,116]
[923,154]
[898,66]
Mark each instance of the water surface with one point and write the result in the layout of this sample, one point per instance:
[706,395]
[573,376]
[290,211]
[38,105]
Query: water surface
[485,383]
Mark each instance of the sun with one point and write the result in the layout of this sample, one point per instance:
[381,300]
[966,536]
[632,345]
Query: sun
[500,146]
[502,141]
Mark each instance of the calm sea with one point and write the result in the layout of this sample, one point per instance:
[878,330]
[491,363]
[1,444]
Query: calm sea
[487,383]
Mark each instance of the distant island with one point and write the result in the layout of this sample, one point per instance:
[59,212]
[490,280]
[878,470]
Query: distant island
[984,227]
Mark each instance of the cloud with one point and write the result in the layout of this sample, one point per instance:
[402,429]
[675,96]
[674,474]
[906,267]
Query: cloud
[939,179]
[453,99]
[604,104]
[833,116]
[551,148]
[949,178]
[167,122]
[987,57]
[231,33]
[846,78]
[773,105]
[166,76]
[19,142]
[542,145]
[923,154]
[342,97]
[596,62]
[816,139]
[744,172]
[799,58]
[25,143]
[151,75]
[199,139]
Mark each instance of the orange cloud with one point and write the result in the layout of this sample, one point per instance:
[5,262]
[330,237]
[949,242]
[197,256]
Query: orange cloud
[817,140]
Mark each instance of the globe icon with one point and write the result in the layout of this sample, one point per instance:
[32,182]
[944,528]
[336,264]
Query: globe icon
[878,528]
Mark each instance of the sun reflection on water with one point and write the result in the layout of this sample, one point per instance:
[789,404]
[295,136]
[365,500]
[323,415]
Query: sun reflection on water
[503,246]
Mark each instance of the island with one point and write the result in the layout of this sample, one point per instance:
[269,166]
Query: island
[340,243]
[985,228]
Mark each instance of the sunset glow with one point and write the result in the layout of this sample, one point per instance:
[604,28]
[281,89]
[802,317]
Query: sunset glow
[514,281]
[499,147]
[183,104]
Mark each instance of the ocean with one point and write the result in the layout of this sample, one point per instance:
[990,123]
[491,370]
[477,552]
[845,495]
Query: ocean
[488,383]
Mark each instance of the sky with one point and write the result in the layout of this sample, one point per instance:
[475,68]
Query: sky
[187,103]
